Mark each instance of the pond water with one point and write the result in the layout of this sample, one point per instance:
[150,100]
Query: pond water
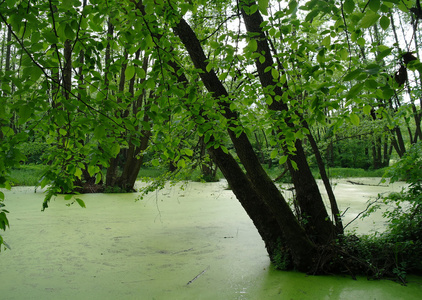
[195,243]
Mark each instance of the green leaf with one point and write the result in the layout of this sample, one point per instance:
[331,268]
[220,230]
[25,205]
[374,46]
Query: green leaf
[34,73]
[344,54]
[384,22]
[372,69]
[149,41]
[3,220]
[62,131]
[352,75]
[273,154]
[115,149]
[367,109]
[189,152]
[311,15]
[98,177]
[130,72]
[91,170]
[354,119]
[371,83]
[369,19]
[25,111]
[78,173]
[263,5]
[209,67]
[80,202]
[292,7]
[140,72]
[69,33]
[384,53]
[374,5]
[349,6]
[326,41]
[361,41]
[282,159]
[355,90]
[99,132]
[252,45]
[275,73]
[262,59]
[181,163]
[50,37]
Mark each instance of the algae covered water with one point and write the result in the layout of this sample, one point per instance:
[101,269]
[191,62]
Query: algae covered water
[191,243]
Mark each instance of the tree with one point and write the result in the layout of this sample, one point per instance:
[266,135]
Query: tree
[153,72]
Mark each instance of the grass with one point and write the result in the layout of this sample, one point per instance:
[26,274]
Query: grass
[150,172]
[28,175]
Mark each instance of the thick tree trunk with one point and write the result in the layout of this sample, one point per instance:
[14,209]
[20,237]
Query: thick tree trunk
[133,163]
[277,227]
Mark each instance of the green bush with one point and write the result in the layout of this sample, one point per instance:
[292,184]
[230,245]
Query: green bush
[399,249]
[33,151]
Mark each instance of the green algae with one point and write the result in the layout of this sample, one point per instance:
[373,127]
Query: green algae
[195,243]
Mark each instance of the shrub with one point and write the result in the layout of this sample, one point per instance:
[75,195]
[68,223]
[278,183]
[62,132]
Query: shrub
[33,151]
[399,249]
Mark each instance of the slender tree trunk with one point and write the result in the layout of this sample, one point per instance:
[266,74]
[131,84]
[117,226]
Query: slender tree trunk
[321,166]
[307,193]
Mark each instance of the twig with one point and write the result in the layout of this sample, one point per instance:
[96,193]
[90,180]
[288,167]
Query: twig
[197,276]
[362,212]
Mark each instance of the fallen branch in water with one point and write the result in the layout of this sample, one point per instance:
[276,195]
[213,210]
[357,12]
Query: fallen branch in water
[368,184]
[197,276]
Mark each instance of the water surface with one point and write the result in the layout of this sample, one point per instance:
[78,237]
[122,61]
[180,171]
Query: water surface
[195,243]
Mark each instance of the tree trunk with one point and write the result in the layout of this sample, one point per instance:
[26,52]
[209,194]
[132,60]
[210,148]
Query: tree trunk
[302,249]
[308,195]
[274,225]
[334,207]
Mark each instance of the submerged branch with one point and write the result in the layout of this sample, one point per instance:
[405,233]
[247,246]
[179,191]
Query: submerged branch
[197,276]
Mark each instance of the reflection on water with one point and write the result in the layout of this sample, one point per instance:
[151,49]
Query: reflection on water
[195,243]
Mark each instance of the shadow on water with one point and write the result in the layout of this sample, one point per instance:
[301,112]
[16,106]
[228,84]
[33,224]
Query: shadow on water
[195,243]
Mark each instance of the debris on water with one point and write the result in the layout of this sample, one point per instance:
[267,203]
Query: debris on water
[197,276]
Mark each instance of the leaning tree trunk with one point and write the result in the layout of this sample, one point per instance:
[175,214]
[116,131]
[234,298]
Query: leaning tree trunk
[302,249]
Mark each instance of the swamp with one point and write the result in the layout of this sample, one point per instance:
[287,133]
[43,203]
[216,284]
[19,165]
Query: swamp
[194,242]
